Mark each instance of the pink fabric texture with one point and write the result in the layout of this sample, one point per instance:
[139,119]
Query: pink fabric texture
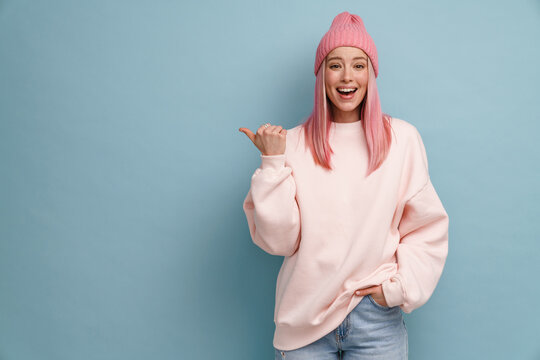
[347,30]
[340,231]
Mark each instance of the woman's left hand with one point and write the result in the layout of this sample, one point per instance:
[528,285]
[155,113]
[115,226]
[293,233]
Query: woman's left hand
[376,293]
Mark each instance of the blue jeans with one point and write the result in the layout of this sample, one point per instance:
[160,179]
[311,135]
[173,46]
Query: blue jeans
[371,331]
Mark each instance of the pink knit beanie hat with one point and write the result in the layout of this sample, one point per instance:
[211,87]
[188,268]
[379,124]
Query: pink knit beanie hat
[347,30]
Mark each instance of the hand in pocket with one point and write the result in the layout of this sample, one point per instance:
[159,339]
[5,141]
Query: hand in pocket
[376,294]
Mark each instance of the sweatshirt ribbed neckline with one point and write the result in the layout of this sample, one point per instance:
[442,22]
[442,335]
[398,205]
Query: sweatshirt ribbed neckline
[351,127]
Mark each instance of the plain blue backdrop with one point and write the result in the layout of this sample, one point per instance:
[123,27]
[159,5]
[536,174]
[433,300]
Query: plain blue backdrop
[122,234]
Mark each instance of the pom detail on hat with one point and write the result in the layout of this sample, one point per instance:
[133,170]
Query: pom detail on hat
[347,30]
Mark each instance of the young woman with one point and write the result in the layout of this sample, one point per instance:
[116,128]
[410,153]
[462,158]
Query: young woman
[347,199]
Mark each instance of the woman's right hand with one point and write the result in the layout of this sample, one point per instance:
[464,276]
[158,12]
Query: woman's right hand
[269,140]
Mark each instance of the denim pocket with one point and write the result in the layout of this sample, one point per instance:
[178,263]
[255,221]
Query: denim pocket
[377,304]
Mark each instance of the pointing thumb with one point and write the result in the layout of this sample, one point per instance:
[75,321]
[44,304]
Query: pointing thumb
[249,134]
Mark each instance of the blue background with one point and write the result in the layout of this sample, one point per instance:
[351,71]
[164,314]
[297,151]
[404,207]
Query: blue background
[122,234]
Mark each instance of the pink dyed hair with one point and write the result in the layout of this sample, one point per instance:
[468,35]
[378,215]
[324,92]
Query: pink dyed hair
[376,124]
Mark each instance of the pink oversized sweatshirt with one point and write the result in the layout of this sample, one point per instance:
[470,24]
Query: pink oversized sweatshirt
[340,231]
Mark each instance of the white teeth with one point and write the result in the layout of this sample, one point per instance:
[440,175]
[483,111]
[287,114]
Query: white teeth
[346,90]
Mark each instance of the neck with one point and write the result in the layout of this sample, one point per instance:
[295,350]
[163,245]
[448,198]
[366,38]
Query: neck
[340,116]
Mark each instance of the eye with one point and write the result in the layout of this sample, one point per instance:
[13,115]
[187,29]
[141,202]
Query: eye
[332,66]
[360,66]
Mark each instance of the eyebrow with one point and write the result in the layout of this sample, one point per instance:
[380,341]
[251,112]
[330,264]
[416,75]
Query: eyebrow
[337,57]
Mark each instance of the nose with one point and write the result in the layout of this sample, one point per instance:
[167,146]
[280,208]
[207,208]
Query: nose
[347,74]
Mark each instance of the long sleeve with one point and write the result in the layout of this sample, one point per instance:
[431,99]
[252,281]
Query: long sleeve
[421,253]
[423,247]
[271,209]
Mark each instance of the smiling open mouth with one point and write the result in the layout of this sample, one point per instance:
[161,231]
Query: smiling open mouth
[346,91]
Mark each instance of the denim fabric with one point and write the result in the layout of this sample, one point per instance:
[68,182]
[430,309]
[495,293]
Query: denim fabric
[371,331]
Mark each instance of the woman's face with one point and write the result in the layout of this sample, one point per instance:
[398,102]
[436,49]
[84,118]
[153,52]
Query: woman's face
[346,68]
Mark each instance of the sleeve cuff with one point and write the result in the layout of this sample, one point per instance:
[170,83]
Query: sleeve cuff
[393,292]
[275,162]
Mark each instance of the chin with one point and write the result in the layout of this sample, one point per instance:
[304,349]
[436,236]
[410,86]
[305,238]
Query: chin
[348,108]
